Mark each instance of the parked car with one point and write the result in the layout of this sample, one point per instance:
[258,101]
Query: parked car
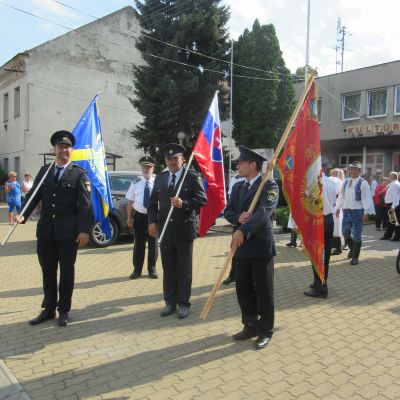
[119,185]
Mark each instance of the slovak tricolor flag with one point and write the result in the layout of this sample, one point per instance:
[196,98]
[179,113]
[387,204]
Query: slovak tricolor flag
[209,156]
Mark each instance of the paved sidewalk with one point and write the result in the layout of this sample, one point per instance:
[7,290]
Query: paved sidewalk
[118,347]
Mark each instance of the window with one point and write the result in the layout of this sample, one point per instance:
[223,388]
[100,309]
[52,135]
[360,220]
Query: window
[5,107]
[397,100]
[6,165]
[16,102]
[351,106]
[319,106]
[377,103]
[17,166]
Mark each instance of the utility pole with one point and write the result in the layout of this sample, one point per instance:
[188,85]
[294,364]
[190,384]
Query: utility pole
[306,68]
[341,32]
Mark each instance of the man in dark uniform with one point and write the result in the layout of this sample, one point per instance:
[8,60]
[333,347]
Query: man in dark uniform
[138,200]
[64,225]
[177,244]
[253,237]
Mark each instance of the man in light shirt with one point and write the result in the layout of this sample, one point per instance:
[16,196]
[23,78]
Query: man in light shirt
[138,200]
[356,201]
[318,288]
[392,200]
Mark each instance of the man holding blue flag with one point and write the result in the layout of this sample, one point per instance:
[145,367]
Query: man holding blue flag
[89,153]
[64,224]
[138,197]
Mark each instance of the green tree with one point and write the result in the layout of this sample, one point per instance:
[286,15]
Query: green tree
[298,76]
[261,107]
[171,96]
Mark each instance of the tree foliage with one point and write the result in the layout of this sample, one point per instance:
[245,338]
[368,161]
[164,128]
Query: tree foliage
[261,107]
[172,96]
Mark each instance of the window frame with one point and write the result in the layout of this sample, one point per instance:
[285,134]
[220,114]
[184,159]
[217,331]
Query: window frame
[396,89]
[6,107]
[17,102]
[369,98]
[344,106]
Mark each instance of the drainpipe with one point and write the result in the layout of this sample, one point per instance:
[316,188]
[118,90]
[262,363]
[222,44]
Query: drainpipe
[364,159]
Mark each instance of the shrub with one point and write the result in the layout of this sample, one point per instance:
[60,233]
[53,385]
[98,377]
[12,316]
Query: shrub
[282,217]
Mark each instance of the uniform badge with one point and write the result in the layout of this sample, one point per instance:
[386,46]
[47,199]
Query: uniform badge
[272,196]
[87,186]
[170,151]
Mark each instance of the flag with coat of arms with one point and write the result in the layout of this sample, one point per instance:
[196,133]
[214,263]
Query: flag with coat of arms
[209,157]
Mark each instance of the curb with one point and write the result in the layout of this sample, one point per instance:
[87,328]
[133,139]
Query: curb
[10,388]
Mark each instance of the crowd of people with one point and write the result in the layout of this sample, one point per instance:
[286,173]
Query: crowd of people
[165,209]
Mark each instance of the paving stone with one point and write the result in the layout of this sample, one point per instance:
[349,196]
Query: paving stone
[118,347]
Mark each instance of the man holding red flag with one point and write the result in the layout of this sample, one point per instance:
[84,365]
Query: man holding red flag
[300,164]
[209,157]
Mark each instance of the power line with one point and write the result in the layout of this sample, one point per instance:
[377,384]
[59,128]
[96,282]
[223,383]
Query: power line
[152,55]
[185,49]
[75,9]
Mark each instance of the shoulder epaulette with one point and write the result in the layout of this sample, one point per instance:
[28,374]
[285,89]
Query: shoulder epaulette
[137,179]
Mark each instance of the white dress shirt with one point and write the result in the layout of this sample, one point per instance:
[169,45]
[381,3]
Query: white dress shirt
[393,193]
[177,176]
[328,195]
[136,193]
[64,167]
[347,197]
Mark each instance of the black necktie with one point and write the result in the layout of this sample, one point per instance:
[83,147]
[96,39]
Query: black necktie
[172,185]
[247,186]
[146,195]
[57,175]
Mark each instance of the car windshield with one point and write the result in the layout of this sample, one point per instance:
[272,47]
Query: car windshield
[120,183]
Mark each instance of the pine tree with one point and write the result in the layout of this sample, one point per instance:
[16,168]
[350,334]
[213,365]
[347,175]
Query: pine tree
[171,96]
[261,108]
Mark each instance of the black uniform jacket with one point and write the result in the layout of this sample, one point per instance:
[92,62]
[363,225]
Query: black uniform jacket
[66,205]
[258,230]
[182,224]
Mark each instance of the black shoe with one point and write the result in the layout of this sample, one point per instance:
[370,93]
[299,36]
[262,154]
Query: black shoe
[248,332]
[394,239]
[134,275]
[354,261]
[183,312]
[262,341]
[63,319]
[336,252]
[153,275]
[315,292]
[228,281]
[43,317]
[291,244]
[168,310]
[312,285]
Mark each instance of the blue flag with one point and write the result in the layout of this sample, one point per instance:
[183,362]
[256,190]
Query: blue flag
[89,153]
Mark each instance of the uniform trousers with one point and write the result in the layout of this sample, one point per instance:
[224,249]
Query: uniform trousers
[140,229]
[52,253]
[328,234]
[176,257]
[255,292]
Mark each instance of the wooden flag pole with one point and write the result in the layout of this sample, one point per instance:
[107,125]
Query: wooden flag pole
[264,180]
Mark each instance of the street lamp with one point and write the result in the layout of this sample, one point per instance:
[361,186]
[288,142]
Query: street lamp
[181,136]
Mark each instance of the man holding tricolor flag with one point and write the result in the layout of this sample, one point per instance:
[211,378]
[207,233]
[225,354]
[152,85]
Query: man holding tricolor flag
[209,157]
[303,185]
[89,153]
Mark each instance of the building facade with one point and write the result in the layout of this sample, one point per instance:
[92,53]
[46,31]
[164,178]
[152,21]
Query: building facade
[49,87]
[359,114]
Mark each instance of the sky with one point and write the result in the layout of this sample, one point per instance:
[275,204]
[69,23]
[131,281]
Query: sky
[372,28]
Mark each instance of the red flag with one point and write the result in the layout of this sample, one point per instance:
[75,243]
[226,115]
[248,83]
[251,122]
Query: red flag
[300,164]
[208,154]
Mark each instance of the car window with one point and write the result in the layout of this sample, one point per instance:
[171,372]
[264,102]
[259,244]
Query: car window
[121,183]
